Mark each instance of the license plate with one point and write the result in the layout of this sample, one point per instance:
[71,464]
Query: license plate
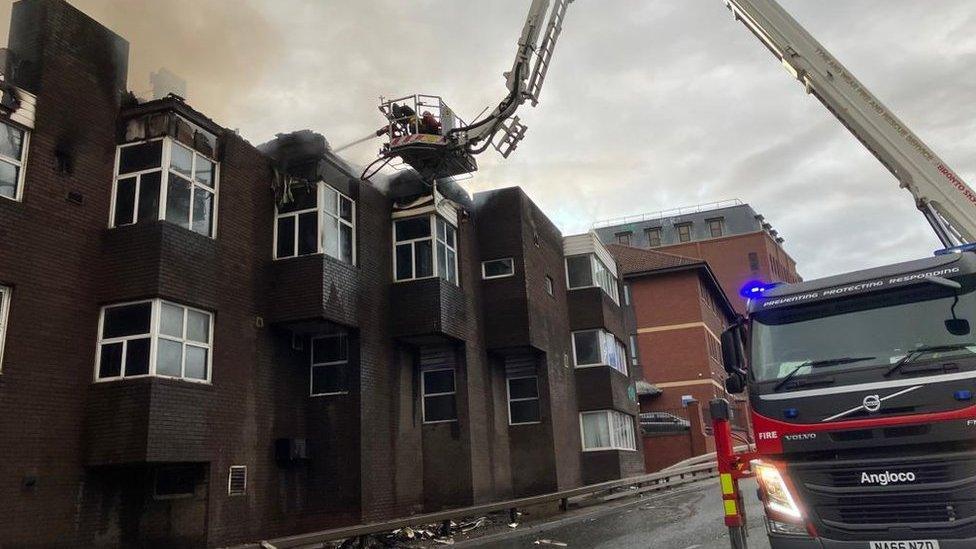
[906,544]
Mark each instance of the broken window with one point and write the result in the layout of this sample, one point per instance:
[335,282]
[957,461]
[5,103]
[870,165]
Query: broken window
[497,268]
[298,221]
[414,249]
[182,339]
[523,400]
[439,397]
[684,232]
[653,237]
[183,194]
[599,348]
[330,362]
[4,313]
[607,430]
[13,149]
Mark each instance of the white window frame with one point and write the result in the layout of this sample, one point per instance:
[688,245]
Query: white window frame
[5,297]
[508,392]
[313,365]
[484,271]
[317,209]
[230,475]
[20,164]
[595,275]
[164,168]
[614,419]
[604,339]
[321,217]
[154,337]
[550,286]
[626,293]
[424,394]
[633,350]
[434,239]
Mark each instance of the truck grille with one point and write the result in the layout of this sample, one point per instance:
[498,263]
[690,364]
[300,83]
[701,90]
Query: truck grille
[941,498]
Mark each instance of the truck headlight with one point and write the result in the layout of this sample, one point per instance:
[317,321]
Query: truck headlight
[778,496]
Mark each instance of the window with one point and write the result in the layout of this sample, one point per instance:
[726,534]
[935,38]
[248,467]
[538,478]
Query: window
[13,153]
[599,348]
[633,350]
[156,338]
[175,481]
[497,268]
[684,232]
[185,193]
[626,294]
[653,237]
[607,430]
[4,313]
[753,261]
[715,226]
[414,249]
[237,480]
[439,399]
[549,288]
[303,227]
[586,271]
[330,364]
[623,238]
[523,400]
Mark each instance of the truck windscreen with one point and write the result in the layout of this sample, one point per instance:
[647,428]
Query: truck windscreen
[862,331]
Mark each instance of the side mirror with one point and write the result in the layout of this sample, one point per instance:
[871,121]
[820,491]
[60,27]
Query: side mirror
[957,326]
[735,383]
[733,354]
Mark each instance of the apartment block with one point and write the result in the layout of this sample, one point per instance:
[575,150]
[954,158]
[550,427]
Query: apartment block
[738,244]
[205,342]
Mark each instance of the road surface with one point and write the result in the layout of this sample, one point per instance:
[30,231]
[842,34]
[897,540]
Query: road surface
[689,519]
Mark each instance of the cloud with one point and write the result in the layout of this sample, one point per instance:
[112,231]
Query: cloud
[650,104]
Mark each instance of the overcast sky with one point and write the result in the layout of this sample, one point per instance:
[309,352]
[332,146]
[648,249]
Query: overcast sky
[650,104]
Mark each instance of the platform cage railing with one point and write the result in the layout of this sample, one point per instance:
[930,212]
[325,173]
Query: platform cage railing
[419,114]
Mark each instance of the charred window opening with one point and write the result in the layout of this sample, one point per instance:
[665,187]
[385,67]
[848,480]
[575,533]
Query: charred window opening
[330,365]
[13,152]
[155,338]
[175,481]
[161,179]
[316,219]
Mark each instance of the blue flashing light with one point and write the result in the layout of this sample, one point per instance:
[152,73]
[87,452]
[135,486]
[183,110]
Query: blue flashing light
[957,249]
[791,413]
[964,394]
[756,288]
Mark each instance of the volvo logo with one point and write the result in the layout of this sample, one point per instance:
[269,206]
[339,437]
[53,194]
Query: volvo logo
[872,403]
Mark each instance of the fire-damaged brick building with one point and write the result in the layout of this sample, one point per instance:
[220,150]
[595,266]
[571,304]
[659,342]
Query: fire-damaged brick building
[204,342]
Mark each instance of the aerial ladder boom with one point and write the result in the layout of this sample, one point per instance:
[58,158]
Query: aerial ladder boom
[947,202]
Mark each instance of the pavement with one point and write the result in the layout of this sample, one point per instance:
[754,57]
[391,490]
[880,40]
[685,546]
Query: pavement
[688,518]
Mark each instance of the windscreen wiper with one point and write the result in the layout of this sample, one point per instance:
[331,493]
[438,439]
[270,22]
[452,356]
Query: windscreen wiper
[817,363]
[915,354]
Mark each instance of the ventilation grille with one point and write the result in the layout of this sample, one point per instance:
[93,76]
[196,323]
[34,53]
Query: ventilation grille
[237,480]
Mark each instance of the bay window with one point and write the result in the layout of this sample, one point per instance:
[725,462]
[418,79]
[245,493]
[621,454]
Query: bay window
[161,179]
[330,362]
[154,338]
[317,219]
[588,271]
[607,430]
[424,247]
[599,348]
[13,153]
